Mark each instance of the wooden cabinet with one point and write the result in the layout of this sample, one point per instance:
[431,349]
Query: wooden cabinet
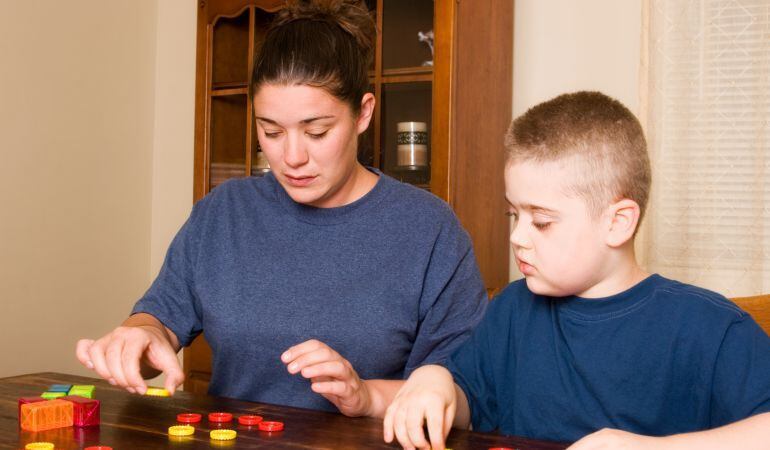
[463,97]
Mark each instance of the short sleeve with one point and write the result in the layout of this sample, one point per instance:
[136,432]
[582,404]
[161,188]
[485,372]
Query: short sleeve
[741,386]
[472,367]
[453,300]
[171,297]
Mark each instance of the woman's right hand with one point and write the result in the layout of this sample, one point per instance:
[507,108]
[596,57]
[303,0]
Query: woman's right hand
[429,397]
[120,355]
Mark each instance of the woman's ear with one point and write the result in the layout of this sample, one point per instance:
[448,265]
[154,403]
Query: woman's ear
[367,111]
[624,218]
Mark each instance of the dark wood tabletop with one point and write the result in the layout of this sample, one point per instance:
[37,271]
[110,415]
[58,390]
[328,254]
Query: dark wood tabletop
[131,421]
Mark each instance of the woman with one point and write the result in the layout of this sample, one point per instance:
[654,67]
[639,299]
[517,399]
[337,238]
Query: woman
[320,266]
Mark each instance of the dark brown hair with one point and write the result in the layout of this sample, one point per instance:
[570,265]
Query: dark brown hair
[322,43]
[603,140]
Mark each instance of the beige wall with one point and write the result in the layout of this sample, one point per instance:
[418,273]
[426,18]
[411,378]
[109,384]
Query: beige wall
[96,120]
[567,45]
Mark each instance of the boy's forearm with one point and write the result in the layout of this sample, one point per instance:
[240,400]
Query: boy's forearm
[381,395]
[747,434]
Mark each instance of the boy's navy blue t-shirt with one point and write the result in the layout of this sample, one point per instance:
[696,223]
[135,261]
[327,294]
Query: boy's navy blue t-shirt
[389,281]
[661,358]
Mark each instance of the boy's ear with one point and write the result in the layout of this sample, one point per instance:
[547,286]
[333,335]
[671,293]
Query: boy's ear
[624,217]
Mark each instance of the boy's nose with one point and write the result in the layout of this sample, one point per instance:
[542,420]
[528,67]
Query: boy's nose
[518,237]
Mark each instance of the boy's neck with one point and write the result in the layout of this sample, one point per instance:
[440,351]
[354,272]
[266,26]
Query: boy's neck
[621,274]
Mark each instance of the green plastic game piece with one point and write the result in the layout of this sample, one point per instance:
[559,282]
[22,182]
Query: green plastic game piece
[82,390]
[52,395]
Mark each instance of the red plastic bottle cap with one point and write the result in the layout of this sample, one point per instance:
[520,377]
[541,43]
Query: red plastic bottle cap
[220,417]
[270,426]
[188,418]
[249,420]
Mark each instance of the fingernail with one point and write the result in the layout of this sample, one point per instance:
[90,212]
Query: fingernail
[90,365]
[293,367]
[131,390]
[286,356]
[112,381]
[140,390]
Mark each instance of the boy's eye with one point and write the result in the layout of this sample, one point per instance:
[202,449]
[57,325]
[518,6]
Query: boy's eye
[316,135]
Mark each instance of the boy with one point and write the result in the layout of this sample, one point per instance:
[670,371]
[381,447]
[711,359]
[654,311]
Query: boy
[589,341]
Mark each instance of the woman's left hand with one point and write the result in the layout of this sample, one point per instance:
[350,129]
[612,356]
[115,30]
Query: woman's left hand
[331,375]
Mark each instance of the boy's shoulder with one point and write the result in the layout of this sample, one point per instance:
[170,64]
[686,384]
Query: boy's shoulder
[672,294]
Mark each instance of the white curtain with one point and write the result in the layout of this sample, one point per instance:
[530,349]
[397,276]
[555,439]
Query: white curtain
[706,74]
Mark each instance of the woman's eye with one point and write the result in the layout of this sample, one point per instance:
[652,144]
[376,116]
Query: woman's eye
[316,135]
[541,225]
[272,134]
[512,214]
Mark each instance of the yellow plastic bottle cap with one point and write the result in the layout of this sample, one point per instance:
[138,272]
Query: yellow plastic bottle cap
[181,430]
[223,435]
[157,392]
[39,446]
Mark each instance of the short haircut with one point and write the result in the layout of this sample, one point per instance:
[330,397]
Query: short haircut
[596,133]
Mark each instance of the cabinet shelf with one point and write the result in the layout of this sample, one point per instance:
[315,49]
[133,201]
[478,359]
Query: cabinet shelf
[229,85]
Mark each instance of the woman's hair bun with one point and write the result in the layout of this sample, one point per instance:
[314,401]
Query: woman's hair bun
[352,16]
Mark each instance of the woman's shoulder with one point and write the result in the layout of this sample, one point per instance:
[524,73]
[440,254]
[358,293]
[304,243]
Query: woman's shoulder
[418,201]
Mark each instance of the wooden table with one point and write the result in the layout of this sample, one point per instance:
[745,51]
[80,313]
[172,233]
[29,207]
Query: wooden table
[140,422]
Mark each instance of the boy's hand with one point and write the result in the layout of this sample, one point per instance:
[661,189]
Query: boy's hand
[119,356]
[331,375]
[428,396]
[614,439]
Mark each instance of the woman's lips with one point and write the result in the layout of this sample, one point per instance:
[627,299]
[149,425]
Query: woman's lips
[299,181]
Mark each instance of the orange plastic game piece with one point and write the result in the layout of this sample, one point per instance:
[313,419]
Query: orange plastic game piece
[46,415]
[25,400]
[270,426]
[85,410]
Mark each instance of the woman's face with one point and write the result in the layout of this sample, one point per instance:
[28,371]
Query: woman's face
[310,139]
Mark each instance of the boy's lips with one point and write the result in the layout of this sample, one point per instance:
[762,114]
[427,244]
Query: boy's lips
[524,267]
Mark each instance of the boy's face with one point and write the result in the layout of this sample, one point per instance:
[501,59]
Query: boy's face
[559,246]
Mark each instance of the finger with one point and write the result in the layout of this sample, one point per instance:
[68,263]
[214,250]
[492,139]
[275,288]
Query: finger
[400,430]
[434,416]
[162,357]
[338,388]
[132,356]
[320,355]
[81,352]
[414,421]
[114,359]
[300,349]
[449,417]
[387,424]
[336,370]
[96,355]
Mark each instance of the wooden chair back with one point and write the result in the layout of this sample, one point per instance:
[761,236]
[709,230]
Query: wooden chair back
[759,308]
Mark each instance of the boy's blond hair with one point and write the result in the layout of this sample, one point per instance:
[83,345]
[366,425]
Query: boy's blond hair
[597,136]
